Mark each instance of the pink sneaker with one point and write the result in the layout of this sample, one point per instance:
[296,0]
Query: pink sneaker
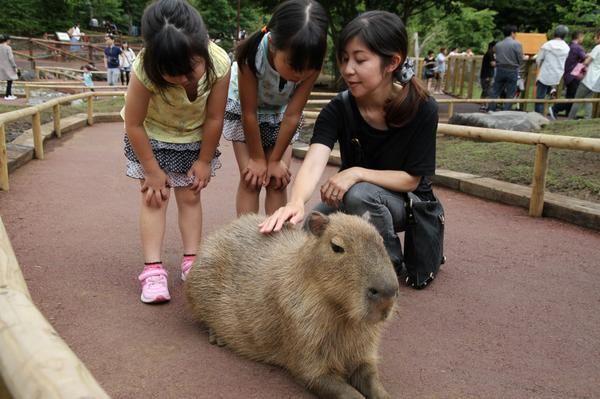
[154,285]
[186,265]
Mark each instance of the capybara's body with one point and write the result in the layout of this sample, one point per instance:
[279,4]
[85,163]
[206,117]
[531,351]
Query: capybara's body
[311,300]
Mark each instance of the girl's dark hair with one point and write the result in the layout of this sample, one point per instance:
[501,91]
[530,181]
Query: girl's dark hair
[384,34]
[296,25]
[4,38]
[174,33]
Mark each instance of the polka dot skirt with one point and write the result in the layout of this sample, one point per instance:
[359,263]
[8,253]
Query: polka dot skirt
[175,159]
[268,125]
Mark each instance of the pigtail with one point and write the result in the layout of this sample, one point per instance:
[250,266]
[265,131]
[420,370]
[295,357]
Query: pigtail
[246,50]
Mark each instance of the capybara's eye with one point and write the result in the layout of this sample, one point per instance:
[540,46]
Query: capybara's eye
[337,248]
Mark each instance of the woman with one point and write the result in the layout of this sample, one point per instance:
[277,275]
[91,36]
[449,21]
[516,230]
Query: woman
[8,68]
[396,124]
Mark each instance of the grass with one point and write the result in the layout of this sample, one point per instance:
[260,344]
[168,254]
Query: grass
[573,173]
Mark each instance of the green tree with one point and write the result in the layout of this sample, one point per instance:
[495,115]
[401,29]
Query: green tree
[471,28]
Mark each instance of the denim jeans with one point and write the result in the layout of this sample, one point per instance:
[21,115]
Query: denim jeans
[541,90]
[504,81]
[112,76]
[386,213]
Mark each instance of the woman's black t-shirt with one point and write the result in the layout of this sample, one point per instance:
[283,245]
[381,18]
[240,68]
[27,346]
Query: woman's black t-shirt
[410,148]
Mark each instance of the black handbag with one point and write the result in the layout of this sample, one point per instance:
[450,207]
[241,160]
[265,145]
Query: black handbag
[423,240]
[424,234]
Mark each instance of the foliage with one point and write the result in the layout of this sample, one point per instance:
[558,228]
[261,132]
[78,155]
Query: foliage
[471,28]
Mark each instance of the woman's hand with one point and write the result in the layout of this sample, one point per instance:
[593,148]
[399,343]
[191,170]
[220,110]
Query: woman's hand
[156,186]
[294,213]
[334,189]
[278,175]
[200,172]
[255,173]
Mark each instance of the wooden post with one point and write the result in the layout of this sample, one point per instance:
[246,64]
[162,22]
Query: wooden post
[536,205]
[3,160]
[27,91]
[447,77]
[38,141]
[531,66]
[546,105]
[472,78]
[450,110]
[56,120]
[90,110]
[463,71]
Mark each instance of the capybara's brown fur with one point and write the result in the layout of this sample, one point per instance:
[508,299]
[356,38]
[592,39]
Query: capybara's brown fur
[312,300]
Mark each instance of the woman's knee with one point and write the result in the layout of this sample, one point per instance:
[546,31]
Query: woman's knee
[361,196]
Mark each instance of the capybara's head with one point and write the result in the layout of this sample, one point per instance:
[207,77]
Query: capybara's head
[351,266]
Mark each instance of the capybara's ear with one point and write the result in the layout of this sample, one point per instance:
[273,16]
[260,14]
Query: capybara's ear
[316,223]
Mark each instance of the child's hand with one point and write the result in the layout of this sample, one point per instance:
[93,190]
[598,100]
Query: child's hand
[278,175]
[255,173]
[200,172]
[156,185]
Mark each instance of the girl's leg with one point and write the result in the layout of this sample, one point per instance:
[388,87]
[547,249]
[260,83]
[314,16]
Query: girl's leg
[189,211]
[246,200]
[122,76]
[277,198]
[152,227]
[127,77]
[153,278]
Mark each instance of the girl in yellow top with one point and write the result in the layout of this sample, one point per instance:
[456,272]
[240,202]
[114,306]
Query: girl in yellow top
[173,119]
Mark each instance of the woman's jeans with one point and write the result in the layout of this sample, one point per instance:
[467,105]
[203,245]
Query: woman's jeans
[386,212]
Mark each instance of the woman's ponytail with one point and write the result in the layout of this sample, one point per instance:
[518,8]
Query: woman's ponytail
[404,104]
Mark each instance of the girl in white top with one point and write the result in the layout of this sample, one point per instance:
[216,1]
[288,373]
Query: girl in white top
[274,74]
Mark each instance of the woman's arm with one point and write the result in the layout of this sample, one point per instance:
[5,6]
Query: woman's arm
[255,172]
[305,183]
[156,182]
[275,168]
[333,191]
[211,133]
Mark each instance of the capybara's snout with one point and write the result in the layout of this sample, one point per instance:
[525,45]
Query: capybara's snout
[382,297]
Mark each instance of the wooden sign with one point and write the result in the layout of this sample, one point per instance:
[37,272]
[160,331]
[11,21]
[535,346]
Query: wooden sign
[531,42]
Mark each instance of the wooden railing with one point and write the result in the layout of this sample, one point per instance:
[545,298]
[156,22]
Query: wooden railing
[34,361]
[35,113]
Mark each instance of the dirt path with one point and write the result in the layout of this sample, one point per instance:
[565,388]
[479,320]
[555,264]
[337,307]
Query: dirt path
[514,313]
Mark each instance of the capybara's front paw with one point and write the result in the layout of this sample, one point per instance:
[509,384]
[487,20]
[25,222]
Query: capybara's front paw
[214,339]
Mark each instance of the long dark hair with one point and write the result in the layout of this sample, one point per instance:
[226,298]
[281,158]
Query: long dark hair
[296,25]
[174,33]
[384,34]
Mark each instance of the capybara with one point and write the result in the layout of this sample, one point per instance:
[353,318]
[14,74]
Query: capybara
[312,300]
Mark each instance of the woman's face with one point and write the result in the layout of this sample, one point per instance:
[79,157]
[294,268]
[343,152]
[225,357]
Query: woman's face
[362,69]
[198,70]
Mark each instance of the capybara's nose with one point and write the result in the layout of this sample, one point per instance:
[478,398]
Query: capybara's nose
[383,292]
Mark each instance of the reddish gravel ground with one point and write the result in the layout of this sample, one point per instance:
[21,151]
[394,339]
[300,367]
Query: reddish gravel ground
[513,314]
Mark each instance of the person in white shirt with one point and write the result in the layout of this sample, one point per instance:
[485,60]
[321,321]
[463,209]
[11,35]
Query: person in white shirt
[126,59]
[551,63]
[591,82]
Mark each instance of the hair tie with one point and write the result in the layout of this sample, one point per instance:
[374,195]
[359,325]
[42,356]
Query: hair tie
[407,71]
[264,29]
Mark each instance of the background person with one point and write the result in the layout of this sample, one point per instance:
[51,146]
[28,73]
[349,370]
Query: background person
[111,60]
[509,56]
[396,122]
[590,84]
[575,56]
[8,67]
[126,59]
[486,75]
[551,63]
